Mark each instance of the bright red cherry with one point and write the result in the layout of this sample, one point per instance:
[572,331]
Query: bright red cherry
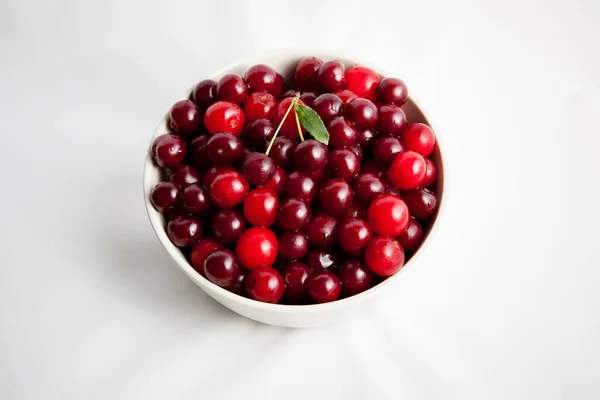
[205,93]
[321,229]
[344,163]
[201,250]
[328,106]
[199,152]
[392,120]
[262,78]
[195,199]
[228,189]
[346,95]
[353,235]
[185,118]
[184,231]
[323,259]
[342,133]
[430,173]
[278,182]
[388,215]
[258,168]
[408,170]
[224,116]
[169,150]
[362,112]
[363,81]
[294,214]
[419,138]
[261,206]
[367,187]
[289,127]
[232,88]
[184,175]
[257,247]
[259,134]
[221,267]
[224,148]
[293,245]
[260,105]
[384,256]
[411,238]
[302,186]
[306,77]
[324,287]
[228,224]
[392,91]
[421,202]
[295,276]
[355,277]
[386,149]
[265,284]
[165,196]
[311,155]
[335,196]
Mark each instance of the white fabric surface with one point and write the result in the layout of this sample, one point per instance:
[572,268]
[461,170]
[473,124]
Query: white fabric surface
[506,306]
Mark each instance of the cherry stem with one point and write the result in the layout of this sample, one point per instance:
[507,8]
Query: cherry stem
[281,124]
[297,120]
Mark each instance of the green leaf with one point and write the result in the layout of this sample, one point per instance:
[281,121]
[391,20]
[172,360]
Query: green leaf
[312,122]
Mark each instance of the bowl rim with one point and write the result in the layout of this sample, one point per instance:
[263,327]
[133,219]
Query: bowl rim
[208,286]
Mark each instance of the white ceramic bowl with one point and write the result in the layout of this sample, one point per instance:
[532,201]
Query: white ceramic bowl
[289,315]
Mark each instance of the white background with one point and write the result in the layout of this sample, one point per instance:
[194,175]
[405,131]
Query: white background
[505,305]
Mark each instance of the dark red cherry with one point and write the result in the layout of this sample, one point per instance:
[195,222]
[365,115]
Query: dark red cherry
[295,276]
[308,98]
[184,175]
[342,133]
[421,202]
[392,120]
[213,171]
[386,149]
[293,246]
[324,287]
[221,267]
[355,277]
[294,214]
[354,211]
[205,93]
[224,148]
[311,155]
[392,91]
[321,229]
[344,163]
[346,95]
[262,78]
[335,196]
[265,284]
[323,259]
[430,173]
[282,152]
[328,106]
[227,225]
[306,77]
[259,134]
[411,238]
[185,118]
[302,186]
[169,150]
[165,196]
[366,138]
[353,235]
[201,250]
[362,112]
[367,187]
[199,152]
[184,231]
[258,168]
[232,87]
[195,199]
[332,76]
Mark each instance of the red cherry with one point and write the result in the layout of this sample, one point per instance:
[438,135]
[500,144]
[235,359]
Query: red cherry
[419,138]
[213,171]
[238,286]
[278,182]
[184,175]
[257,247]
[332,76]
[293,246]
[408,170]
[430,173]
[184,231]
[221,267]
[386,149]
[308,98]
[261,206]
[195,199]
[344,163]
[323,259]
[185,118]
[289,127]
[228,225]
[342,132]
[321,229]
[262,78]
[384,256]
[324,287]
[232,87]
[421,202]
[363,82]
[295,276]
[346,95]
[260,105]
[353,235]
[205,93]
[224,148]
[355,277]
[258,134]
[165,196]
[294,214]
[306,77]
[335,196]
[411,238]
[366,138]
[228,189]
[392,91]
[224,116]
[392,120]
[362,112]
[301,186]
[388,215]
[201,250]
[169,150]
[328,106]
[199,152]
[367,187]
[265,284]
[354,211]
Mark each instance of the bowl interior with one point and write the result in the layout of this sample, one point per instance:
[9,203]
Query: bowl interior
[286,66]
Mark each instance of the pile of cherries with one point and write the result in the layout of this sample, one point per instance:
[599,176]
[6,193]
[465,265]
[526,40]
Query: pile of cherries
[307,222]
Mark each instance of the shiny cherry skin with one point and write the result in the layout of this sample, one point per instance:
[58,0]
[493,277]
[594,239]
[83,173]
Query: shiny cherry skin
[302,186]
[366,138]
[353,235]
[257,247]
[421,202]
[278,182]
[384,256]
[228,189]
[324,287]
[201,250]
[227,225]
[224,148]
[354,211]
[362,112]
[342,133]
[430,173]
[238,286]
[205,93]
[185,118]
[221,267]
[363,82]
[289,127]
[344,163]
[321,229]
[357,149]
[195,199]
[295,276]
[184,175]
[367,187]
[386,149]
[408,170]
[419,138]
[258,168]
[332,76]
[321,175]
[392,120]
[261,206]
[282,152]
[265,284]
[388,215]
[213,171]
[311,155]
[260,105]
[355,277]
[262,78]
[294,214]
[199,152]
[169,150]
[346,95]
[306,77]
[224,116]
[376,169]
[391,189]
[293,246]
[165,196]
[259,133]
[232,87]
[323,259]
[335,196]
[412,237]
[308,98]
[184,231]
[392,91]
[328,106]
